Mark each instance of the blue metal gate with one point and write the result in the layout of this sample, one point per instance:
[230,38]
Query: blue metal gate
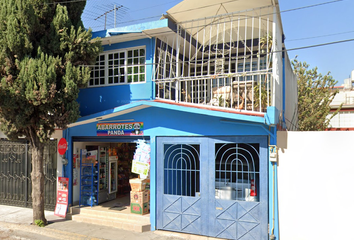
[215,187]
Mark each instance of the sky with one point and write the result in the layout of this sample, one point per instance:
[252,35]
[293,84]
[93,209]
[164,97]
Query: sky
[305,23]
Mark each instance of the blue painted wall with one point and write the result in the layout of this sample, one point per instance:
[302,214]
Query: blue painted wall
[168,122]
[97,99]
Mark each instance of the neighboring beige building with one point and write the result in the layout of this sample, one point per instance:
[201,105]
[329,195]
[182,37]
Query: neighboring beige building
[344,120]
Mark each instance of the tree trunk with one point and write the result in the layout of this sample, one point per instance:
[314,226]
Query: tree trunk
[38,182]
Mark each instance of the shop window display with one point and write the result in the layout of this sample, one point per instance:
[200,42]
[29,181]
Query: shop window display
[125,153]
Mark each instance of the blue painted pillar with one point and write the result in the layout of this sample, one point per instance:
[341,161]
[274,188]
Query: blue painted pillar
[273,192]
[153,182]
[284,92]
[68,169]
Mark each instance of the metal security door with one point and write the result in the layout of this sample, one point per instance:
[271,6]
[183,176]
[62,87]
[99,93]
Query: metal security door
[238,203]
[182,185]
[15,174]
[213,186]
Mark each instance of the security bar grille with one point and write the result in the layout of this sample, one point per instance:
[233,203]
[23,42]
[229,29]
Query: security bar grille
[236,167]
[181,169]
[15,174]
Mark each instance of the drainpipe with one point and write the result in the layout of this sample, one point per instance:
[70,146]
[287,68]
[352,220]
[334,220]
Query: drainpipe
[271,120]
[273,160]
[272,236]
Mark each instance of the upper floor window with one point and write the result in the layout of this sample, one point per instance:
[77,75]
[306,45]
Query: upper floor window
[119,67]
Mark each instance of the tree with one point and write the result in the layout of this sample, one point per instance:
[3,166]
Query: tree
[315,94]
[44,53]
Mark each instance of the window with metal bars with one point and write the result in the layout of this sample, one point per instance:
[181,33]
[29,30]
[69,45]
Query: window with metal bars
[182,169]
[119,67]
[236,171]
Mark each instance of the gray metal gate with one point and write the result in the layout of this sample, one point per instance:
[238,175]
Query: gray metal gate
[15,174]
[213,186]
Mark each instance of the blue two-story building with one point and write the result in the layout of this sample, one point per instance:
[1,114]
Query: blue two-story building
[207,87]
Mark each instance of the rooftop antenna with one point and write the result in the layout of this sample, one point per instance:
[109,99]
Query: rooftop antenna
[115,15]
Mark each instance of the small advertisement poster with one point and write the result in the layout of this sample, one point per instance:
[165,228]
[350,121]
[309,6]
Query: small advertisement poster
[141,161]
[140,168]
[62,197]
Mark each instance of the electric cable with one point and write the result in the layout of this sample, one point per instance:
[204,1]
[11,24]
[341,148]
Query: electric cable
[288,10]
[317,45]
[304,47]
[320,36]
[283,11]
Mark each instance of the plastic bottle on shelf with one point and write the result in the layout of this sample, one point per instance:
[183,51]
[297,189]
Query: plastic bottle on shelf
[91,200]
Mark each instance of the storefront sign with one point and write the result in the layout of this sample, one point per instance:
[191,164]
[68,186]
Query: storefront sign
[62,197]
[120,129]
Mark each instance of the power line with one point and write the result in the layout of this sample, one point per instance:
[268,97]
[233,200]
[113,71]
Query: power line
[187,10]
[72,1]
[292,49]
[267,14]
[327,35]
[309,6]
[319,45]
[156,16]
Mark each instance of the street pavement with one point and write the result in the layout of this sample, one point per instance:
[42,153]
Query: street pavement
[15,223]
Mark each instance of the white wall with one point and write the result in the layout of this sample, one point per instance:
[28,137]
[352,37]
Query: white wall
[344,119]
[57,135]
[315,178]
[345,96]
[291,91]
[277,62]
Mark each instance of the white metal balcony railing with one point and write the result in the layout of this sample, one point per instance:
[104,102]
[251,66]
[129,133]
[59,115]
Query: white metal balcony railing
[224,61]
[225,92]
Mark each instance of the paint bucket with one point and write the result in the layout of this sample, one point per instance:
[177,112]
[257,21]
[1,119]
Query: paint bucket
[227,193]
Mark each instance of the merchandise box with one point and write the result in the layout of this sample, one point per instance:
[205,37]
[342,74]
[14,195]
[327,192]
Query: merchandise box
[137,184]
[147,186]
[139,208]
[140,197]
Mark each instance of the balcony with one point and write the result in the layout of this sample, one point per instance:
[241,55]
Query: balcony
[242,91]
[224,61]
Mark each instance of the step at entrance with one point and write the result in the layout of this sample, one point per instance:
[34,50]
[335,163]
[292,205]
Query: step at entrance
[112,218]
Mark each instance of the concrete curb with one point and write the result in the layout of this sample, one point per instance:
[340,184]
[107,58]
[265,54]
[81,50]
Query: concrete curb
[48,232]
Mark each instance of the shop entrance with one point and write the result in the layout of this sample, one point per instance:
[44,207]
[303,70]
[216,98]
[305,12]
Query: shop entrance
[213,186]
[101,172]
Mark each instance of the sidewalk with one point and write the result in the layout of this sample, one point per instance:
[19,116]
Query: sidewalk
[19,219]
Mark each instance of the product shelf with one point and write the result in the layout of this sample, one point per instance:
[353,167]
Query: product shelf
[89,183]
